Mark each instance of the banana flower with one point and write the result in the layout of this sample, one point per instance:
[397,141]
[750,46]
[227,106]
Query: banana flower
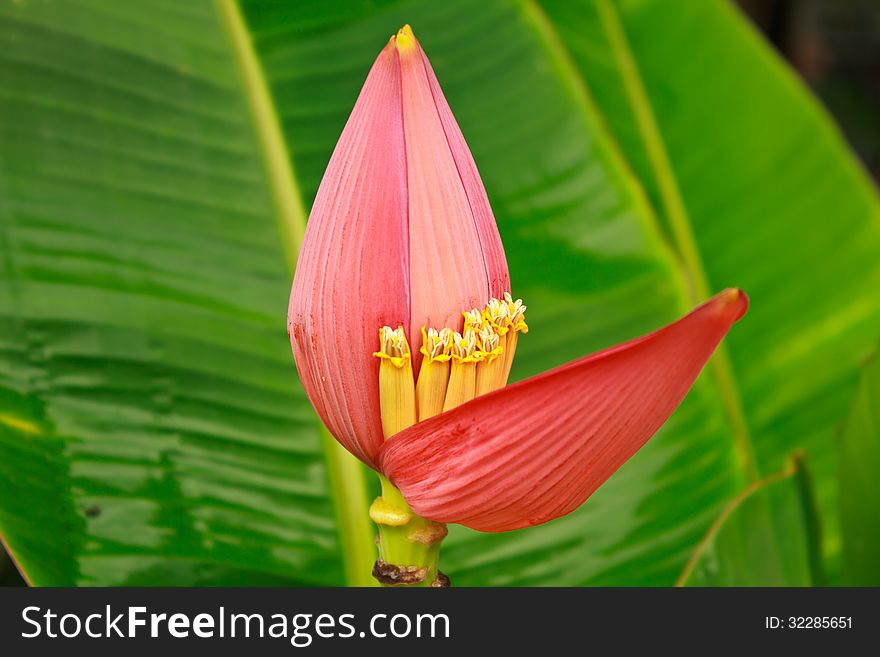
[403,331]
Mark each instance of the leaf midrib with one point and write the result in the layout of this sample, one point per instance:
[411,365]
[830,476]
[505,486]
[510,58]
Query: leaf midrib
[345,474]
[790,470]
[692,281]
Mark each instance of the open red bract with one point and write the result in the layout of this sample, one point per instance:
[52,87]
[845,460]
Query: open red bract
[537,449]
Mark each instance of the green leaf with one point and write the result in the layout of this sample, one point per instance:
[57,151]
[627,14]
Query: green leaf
[633,169]
[859,488]
[761,538]
[151,427]
[770,201]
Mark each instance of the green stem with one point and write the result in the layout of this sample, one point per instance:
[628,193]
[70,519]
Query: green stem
[409,545]
[350,498]
[347,483]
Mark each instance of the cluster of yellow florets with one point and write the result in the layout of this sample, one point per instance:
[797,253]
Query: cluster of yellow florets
[456,365]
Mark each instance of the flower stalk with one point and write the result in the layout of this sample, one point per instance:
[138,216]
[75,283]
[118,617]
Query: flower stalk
[409,545]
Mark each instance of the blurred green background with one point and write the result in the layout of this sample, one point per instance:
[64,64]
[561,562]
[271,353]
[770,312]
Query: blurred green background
[152,431]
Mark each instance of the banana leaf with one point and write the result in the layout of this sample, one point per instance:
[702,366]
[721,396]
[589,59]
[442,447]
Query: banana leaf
[157,161]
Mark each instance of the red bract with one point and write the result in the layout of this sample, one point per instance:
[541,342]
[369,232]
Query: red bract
[401,239]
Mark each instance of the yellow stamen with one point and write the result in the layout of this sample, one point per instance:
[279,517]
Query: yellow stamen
[517,313]
[497,313]
[516,318]
[463,376]
[473,320]
[490,369]
[397,401]
[434,373]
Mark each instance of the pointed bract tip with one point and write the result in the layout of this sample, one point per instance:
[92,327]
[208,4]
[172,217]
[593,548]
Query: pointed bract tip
[406,40]
[735,300]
